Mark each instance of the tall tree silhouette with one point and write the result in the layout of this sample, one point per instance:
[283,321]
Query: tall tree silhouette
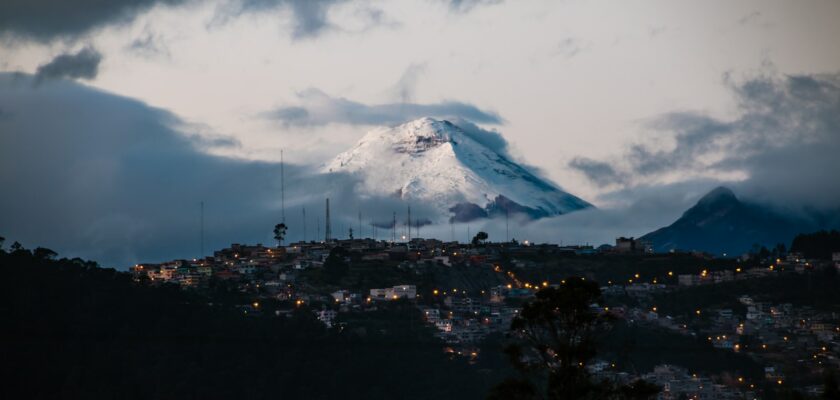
[280,233]
[554,337]
[479,238]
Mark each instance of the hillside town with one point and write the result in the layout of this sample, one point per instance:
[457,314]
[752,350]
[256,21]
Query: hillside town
[790,343]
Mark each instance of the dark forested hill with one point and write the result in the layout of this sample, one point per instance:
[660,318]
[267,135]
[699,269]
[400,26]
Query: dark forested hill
[73,330]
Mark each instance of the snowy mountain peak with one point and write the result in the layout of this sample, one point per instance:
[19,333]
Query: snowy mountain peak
[438,162]
[416,136]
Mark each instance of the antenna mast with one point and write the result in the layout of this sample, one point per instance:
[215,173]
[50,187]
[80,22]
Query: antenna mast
[201,255]
[327,232]
[282,190]
[408,223]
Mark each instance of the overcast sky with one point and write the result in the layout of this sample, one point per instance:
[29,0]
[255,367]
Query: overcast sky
[607,99]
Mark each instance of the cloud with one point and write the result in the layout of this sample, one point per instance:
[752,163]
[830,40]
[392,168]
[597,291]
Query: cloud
[746,19]
[655,31]
[633,212]
[316,108]
[599,172]
[309,16]
[149,44]
[755,18]
[781,147]
[468,5]
[490,138]
[569,47]
[109,178]
[45,20]
[407,84]
[82,65]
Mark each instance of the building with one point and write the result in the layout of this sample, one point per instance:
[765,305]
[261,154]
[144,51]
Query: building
[394,293]
[631,245]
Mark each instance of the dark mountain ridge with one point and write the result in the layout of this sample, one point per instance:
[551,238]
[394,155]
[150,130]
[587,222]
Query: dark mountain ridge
[720,223]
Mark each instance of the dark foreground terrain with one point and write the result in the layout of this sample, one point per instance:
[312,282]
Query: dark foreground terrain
[73,330]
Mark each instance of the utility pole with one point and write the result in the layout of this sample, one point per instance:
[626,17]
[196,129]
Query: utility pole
[361,235]
[304,224]
[408,223]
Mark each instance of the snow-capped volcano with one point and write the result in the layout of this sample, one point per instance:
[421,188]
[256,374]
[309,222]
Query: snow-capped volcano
[439,163]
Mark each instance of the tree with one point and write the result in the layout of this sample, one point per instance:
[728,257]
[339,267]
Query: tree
[479,238]
[780,250]
[817,245]
[640,389]
[513,389]
[557,337]
[351,233]
[16,246]
[2,239]
[44,253]
[554,337]
[280,233]
[336,266]
[831,389]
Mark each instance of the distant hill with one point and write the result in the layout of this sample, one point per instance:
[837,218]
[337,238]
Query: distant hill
[720,223]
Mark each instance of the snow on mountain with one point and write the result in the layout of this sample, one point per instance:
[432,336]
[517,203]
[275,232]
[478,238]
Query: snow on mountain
[437,162]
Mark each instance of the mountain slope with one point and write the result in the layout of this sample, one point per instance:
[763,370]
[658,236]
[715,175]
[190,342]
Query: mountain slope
[722,224]
[437,162]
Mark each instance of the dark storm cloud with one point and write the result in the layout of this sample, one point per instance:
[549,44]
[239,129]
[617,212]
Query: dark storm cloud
[785,140]
[45,20]
[48,19]
[317,109]
[81,65]
[101,176]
